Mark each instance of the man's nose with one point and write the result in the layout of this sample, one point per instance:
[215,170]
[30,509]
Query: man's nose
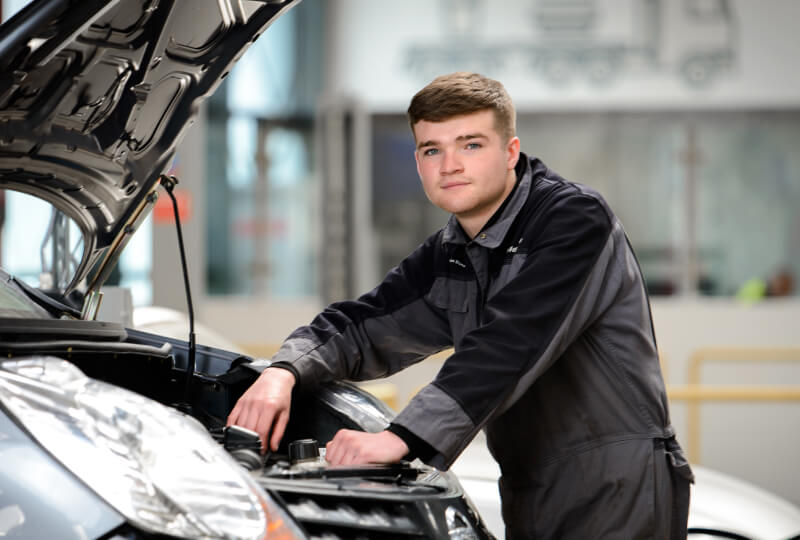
[451,163]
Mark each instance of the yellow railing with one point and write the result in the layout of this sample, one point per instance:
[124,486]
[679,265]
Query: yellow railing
[695,393]
[260,350]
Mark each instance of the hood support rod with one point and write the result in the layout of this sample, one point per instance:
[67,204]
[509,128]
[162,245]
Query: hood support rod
[169,183]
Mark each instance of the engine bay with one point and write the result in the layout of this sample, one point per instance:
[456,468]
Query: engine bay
[401,500]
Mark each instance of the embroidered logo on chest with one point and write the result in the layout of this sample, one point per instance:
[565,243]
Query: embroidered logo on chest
[514,249]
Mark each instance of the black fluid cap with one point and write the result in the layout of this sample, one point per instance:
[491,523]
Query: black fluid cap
[303,450]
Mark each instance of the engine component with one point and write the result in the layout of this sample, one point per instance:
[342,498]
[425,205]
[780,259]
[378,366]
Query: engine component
[303,450]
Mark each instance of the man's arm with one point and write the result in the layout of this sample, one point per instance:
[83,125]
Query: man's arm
[382,332]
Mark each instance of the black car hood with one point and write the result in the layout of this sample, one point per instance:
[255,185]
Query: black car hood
[96,95]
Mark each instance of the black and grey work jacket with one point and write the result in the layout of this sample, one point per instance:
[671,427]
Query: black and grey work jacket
[546,309]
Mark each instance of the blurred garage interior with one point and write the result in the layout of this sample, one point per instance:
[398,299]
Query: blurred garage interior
[298,185]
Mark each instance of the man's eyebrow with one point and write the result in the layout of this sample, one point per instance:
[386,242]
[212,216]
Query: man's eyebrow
[460,138]
[471,136]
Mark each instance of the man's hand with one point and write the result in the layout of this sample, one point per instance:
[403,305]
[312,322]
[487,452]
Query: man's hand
[264,407]
[350,447]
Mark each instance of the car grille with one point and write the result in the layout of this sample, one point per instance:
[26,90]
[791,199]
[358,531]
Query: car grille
[333,517]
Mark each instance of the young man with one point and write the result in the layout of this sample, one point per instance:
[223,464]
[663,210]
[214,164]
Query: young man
[534,284]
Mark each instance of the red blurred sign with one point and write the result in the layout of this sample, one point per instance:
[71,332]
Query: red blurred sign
[163,212]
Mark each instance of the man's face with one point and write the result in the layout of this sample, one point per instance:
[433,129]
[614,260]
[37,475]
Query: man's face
[465,166]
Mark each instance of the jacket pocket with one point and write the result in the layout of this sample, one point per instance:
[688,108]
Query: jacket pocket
[450,294]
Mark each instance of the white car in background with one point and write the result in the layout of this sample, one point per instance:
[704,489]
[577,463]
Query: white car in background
[721,506]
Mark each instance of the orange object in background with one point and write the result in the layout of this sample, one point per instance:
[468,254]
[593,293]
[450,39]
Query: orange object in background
[163,212]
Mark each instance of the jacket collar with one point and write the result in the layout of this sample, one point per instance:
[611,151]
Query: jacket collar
[497,227]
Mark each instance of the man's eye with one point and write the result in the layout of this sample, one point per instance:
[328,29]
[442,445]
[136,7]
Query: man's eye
[430,152]
[473,146]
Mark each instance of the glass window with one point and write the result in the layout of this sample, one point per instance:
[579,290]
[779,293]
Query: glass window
[12,6]
[135,265]
[261,182]
[708,199]
[748,193]
[270,221]
[40,245]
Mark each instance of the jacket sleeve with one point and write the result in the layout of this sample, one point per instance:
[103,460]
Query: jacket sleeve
[380,333]
[563,284]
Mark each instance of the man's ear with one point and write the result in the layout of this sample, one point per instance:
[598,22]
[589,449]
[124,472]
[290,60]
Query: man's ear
[416,160]
[512,150]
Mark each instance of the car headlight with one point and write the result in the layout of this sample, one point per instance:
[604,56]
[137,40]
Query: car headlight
[155,465]
[458,526]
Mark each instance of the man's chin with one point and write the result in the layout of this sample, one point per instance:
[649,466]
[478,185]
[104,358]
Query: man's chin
[454,205]
[457,210]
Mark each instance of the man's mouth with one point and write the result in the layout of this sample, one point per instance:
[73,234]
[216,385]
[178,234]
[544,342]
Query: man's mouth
[449,185]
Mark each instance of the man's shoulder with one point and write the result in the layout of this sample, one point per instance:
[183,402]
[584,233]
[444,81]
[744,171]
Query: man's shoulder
[552,198]
[549,187]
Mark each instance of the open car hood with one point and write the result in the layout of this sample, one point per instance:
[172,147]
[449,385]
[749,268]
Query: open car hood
[95,97]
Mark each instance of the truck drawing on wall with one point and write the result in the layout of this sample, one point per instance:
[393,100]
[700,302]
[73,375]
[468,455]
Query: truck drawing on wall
[594,40]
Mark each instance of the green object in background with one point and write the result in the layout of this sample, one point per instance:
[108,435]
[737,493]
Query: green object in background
[752,290]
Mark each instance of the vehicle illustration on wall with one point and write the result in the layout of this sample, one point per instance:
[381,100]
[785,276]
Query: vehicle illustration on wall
[595,41]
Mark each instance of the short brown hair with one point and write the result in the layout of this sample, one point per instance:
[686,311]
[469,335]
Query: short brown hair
[463,93]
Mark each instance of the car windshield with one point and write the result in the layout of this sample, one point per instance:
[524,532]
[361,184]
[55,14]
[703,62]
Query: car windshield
[14,303]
